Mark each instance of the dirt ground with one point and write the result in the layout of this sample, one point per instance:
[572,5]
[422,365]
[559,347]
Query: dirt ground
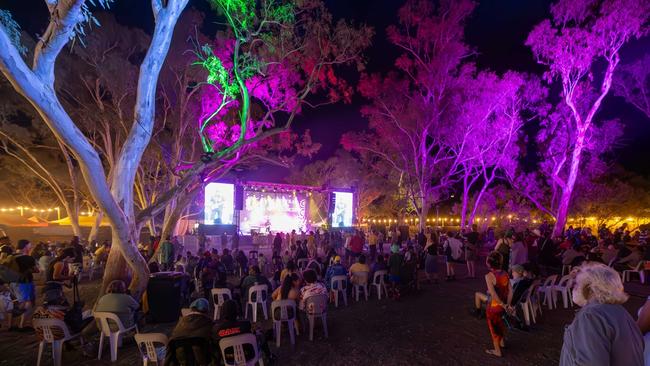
[432,327]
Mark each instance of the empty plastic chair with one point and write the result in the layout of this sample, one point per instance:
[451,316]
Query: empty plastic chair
[219,296]
[55,332]
[147,345]
[563,287]
[316,307]
[547,290]
[284,311]
[339,284]
[639,269]
[359,282]
[257,295]
[237,343]
[379,283]
[115,337]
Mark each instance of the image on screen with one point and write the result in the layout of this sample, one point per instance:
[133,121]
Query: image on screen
[219,204]
[273,212]
[343,209]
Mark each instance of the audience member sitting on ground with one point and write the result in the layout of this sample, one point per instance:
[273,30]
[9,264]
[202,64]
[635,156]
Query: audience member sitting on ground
[500,298]
[336,269]
[194,333]
[118,302]
[360,266]
[254,278]
[603,332]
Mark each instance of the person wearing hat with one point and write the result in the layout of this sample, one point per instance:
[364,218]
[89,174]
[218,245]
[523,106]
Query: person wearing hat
[196,332]
[197,323]
[336,269]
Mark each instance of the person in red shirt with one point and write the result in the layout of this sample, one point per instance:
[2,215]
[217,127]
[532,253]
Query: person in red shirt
[356,246]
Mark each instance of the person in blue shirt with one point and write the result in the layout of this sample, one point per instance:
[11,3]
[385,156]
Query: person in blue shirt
[336,269]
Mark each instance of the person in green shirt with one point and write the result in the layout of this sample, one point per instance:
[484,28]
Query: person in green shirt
[167,254]
[118,302]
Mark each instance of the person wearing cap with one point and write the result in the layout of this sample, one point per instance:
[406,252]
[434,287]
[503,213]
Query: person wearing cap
[118,302]
[197,323]
[195,333]
[336,269]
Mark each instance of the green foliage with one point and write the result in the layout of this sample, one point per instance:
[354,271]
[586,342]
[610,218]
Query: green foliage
[240,13]
[13,30]
[283,13]
[217,73]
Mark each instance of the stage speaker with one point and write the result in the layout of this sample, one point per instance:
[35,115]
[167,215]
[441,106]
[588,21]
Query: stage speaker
[239,197]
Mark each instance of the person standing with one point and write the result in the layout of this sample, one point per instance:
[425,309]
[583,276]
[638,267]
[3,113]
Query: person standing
[500,291]
[167,254]
[372,244]
[235,239]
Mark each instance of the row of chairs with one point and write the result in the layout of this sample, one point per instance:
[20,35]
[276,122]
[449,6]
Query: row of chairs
[546,293]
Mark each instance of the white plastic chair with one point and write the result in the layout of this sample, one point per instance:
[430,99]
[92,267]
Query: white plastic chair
[563,287]
[47,326]
[283,307]
[639,269]
[531,305]
[547,290]
[316,307]
[237,344]
[341,284]
[147,345]
[261,293]
[115,337]
[302,263]
[379,283]
[219,296]
[360,281]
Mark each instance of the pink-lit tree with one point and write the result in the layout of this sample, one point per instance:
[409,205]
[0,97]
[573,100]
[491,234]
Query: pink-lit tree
[580,36]
[632,82]
[415,123]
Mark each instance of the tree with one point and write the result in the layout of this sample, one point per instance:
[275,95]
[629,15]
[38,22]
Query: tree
[580,34]
[632,82]
[36,84]
[414,111]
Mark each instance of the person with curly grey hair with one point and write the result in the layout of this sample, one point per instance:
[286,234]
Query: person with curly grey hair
[603,332]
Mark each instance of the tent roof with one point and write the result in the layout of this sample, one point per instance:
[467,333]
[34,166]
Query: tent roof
[85,221]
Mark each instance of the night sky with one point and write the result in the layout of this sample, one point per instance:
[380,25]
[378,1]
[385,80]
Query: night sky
[497,31]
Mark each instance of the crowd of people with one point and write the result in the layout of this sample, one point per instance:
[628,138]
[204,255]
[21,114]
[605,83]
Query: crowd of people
[301,266]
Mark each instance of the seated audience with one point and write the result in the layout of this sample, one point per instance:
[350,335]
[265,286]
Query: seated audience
[311,288]
[290,289]
[336,269]
[231,327]
[360,266]
[193,340]
[254,278]
[118,302]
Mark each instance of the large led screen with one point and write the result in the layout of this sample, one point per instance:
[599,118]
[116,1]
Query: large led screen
[343,209]
[219,203]
[273,211]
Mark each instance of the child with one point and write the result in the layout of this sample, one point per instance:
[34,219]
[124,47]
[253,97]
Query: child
[6,303]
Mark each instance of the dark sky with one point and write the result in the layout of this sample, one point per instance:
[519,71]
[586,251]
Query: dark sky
[497,30]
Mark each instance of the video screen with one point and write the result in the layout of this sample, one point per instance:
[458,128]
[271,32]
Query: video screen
[343,209]
[219,204]
[272,212]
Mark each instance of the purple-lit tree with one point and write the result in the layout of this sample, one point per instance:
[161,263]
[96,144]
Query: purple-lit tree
[581,35]
[414,111]
[632,82]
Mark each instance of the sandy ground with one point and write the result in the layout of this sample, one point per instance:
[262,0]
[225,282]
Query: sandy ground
[431,327]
